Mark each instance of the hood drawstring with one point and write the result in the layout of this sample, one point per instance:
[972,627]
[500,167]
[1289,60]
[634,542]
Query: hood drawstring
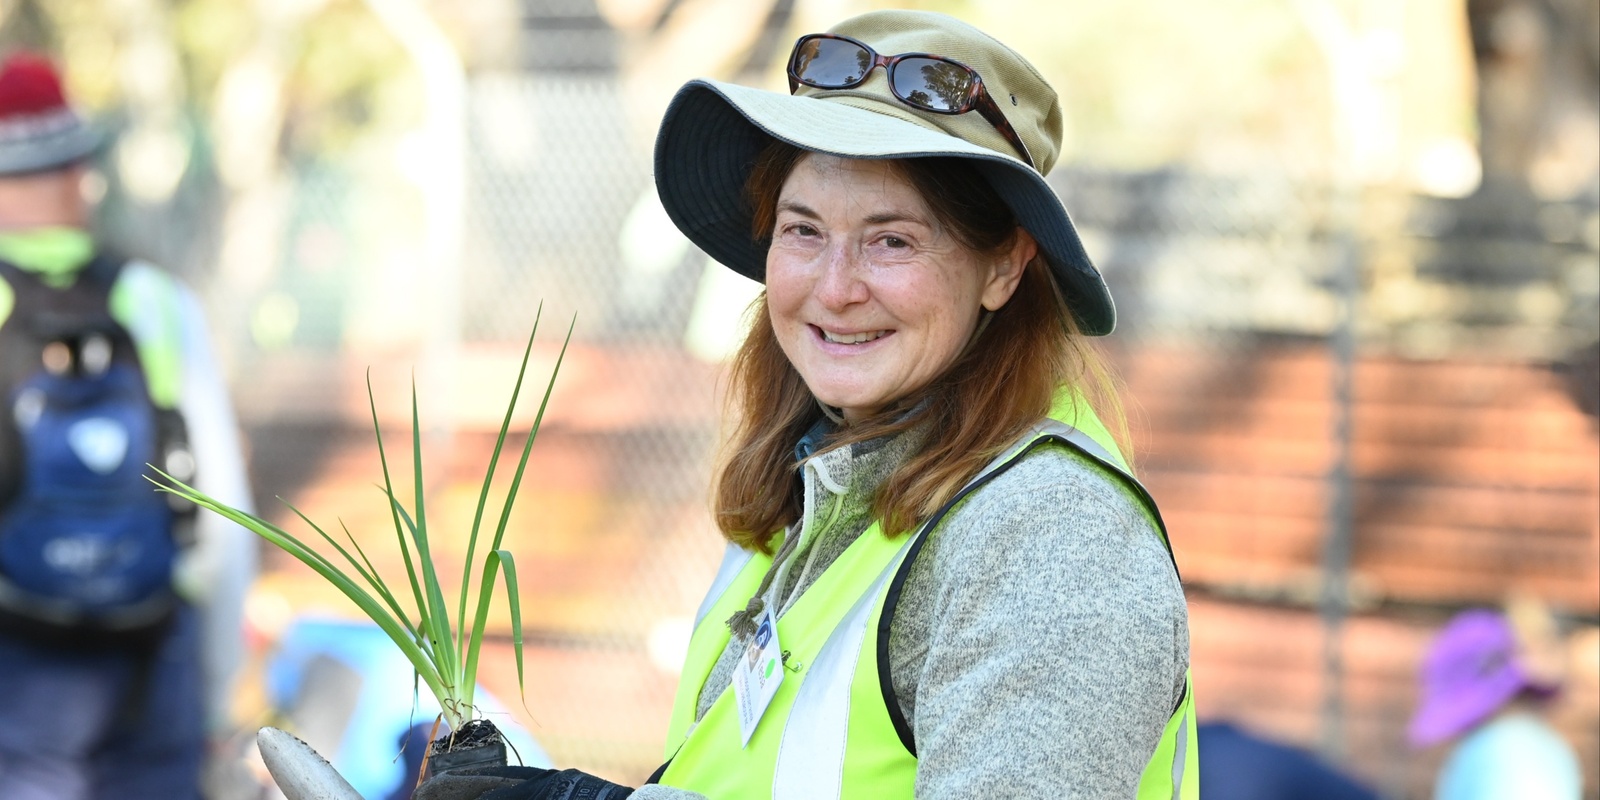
[742,623]
[833,416]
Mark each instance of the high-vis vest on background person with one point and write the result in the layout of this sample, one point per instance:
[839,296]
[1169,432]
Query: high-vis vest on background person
[827,734]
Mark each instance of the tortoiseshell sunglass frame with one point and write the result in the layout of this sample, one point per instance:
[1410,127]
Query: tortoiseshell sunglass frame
[978,98]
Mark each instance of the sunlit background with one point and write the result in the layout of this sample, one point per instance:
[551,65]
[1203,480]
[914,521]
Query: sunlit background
[1355,246]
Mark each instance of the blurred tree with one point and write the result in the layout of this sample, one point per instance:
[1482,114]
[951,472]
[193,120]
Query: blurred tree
[1538,65]
[665,41]
[25,25]
[1228,85]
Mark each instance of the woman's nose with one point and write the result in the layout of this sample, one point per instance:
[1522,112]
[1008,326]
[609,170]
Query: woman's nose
[840,282]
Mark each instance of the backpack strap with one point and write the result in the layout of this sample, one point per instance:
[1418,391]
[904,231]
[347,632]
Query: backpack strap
[87,297]
[102,269]
[143,303]
[41,311]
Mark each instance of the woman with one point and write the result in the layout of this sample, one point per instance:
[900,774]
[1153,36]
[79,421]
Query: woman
[941,578]
[917,478]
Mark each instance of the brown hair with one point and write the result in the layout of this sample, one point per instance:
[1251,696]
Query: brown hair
[1029,349]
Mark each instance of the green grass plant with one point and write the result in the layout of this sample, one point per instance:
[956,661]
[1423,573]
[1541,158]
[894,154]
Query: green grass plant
[443,651]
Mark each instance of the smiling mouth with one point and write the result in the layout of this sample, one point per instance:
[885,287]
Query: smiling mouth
[851,338]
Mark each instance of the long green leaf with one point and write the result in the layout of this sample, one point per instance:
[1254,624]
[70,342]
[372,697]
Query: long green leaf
[436,612]
[444,659]
[426,623]
[420,661]
[427,666]
[440,637]
[527,446]
[388,488]
[377,583]
[488,479]
[502,559]
[370,577]
[512,594]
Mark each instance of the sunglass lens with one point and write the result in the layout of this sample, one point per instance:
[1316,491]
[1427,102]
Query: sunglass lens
[932,84]
[831,63]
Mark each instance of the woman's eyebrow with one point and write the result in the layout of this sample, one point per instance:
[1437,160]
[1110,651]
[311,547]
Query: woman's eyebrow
[880,218]
[885,217]
[794,207]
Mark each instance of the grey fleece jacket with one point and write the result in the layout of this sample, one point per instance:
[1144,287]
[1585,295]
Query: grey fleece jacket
[1040,643]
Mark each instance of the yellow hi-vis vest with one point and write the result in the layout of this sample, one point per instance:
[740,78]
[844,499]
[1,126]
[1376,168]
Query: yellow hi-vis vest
[827,734]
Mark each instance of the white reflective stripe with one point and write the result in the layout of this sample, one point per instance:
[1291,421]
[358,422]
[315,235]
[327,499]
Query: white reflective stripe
[811,754]
[1180,752]
[733,560]
[1082,440]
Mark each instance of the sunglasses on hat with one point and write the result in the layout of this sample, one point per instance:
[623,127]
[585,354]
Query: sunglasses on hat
[923,81]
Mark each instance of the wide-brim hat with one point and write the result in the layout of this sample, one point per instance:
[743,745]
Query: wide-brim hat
[1472,669]
[713,132]
[38,129]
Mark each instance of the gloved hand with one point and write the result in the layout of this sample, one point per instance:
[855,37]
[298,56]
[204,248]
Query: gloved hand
[302,774]
[471,784]
[519,783]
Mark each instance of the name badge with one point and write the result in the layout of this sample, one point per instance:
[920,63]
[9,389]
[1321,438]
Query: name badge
[757,675]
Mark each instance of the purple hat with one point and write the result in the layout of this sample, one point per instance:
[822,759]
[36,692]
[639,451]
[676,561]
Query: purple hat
[1471,670]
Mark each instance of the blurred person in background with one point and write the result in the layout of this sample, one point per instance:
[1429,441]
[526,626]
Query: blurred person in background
[942,579]
[1485,698]
[1236,764]
[120,612]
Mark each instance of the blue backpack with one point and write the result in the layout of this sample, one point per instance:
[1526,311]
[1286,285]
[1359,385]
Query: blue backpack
[87,545]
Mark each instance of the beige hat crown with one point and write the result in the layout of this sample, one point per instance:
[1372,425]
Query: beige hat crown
[1026,100]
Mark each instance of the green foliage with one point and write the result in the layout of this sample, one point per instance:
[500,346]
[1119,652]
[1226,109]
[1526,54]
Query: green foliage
[442,650]
[349,80]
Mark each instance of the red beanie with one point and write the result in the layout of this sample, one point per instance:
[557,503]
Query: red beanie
[38,130]
[29,85]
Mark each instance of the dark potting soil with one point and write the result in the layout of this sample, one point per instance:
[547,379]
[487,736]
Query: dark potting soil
[475,733]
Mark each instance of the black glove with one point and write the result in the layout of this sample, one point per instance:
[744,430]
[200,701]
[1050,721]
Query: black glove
[471,784]
[519,783]
[568,784]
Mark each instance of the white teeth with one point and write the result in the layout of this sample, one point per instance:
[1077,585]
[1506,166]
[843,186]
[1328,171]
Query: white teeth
[852,338]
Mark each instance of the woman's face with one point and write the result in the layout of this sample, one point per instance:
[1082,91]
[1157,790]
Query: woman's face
[870,297]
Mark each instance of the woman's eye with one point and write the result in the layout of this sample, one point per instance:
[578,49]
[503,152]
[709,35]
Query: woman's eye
[895,241]
[802,229]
